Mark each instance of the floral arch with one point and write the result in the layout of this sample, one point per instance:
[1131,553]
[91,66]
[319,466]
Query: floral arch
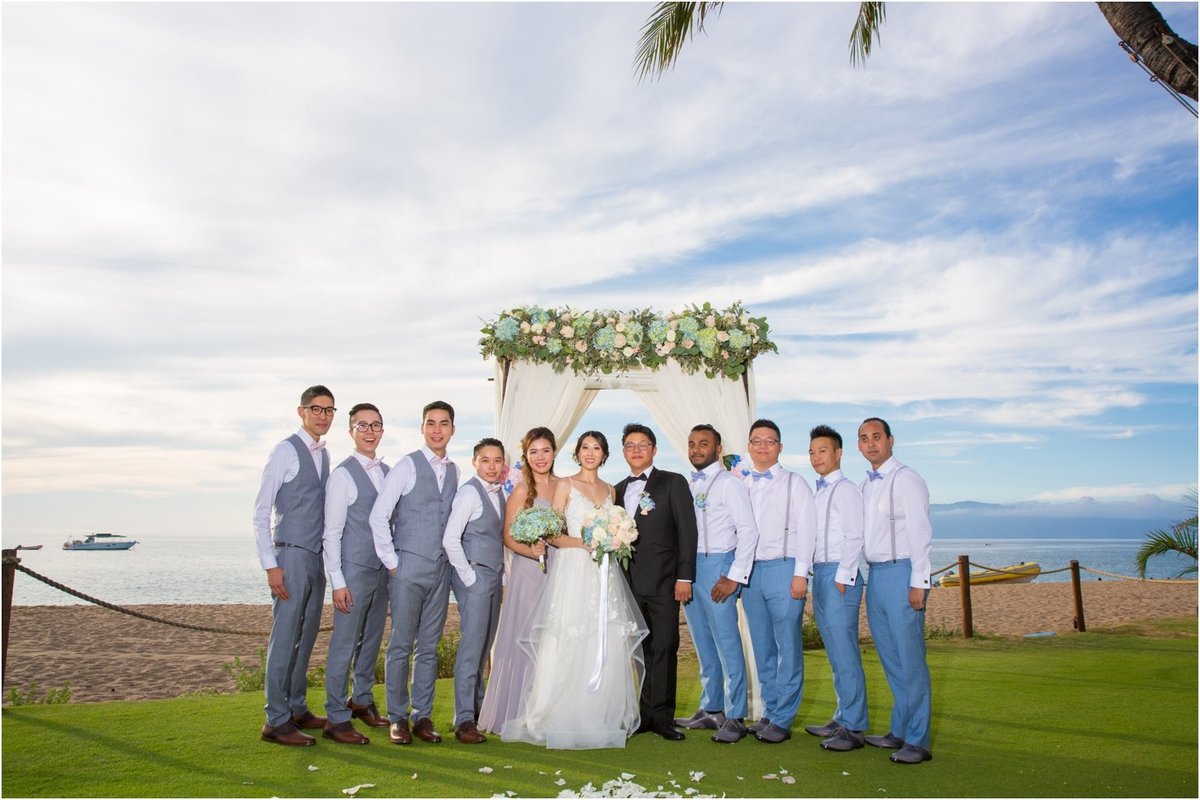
[687,367]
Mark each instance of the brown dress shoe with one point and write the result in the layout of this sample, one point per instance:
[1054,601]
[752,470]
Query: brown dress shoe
[287,734]
[344,733]
[424,731]
[468,733]
[369,714]
[399,734]
[310,721]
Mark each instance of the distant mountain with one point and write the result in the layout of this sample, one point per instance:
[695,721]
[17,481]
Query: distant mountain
[1086,518]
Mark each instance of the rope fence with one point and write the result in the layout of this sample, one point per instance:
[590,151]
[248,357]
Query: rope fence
[11,564]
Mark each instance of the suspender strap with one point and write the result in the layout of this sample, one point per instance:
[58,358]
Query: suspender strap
[704,511]
[787,516]
[829,512]
[892,508]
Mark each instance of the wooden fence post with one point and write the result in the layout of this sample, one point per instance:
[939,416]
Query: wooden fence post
[10,573]
[964,584]
[1080,625]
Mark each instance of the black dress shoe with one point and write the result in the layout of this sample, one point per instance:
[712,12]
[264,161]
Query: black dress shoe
[668,732]
[645,727]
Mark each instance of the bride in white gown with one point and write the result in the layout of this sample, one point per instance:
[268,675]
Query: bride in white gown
[559,707]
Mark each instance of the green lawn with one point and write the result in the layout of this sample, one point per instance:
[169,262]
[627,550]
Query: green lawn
[1099,714]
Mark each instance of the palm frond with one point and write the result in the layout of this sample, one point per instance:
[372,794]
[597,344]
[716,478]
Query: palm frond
[866,31]
[1180,539]
[663,35]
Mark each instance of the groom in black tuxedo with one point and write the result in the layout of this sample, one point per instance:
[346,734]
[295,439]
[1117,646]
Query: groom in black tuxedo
[661,571]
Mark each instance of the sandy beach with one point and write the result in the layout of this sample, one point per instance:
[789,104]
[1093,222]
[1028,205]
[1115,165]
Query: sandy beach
[111,656]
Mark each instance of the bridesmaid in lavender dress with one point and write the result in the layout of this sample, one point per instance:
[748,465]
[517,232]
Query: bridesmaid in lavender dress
[526,582]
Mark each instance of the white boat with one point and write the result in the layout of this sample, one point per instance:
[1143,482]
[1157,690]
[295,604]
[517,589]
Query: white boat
[100,541]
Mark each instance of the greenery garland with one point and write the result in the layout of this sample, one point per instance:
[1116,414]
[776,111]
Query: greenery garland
[697,337]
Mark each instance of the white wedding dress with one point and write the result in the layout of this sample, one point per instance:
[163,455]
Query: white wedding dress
[559,709]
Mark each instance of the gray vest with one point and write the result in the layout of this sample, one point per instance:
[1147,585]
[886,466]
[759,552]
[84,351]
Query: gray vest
[358,547]
[300,503]
[483,538]
[422,513]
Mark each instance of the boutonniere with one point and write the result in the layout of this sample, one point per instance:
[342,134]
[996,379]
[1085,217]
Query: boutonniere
[645,503]
[702,500]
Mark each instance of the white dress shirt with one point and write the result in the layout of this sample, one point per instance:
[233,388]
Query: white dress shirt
[839,526]
[914,533]
[283,465]
[726,520]
[466,508]
[633,492]
[399,482]
[769,499]
[340,493]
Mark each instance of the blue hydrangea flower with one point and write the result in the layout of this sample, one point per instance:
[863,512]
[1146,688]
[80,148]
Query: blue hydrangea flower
[634,332]
[689,326]
[605,339]
[738,340]
[507,329]
[554,346]
[658,331]
[538,316]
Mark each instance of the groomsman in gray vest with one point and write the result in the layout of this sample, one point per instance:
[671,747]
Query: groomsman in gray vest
[358,579]
[474,543]
[417,494]
[293,484]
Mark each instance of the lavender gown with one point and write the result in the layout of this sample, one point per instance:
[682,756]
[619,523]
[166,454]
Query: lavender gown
[510,663]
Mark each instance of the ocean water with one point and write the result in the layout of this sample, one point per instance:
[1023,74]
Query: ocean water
[223,568]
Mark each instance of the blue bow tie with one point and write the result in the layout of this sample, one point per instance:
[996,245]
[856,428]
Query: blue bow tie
[874,476]
[698,476]
[760,475]
[821,484]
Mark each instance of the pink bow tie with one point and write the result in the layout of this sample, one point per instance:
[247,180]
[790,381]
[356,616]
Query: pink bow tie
[317,446]
[442,460]
[373,463]
[493,488]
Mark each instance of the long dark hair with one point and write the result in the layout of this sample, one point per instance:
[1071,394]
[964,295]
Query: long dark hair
[532,436]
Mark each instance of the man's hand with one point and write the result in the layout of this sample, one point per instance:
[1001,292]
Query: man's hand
[723,588]
[916,598]
[275,581]
[342,600]
[841,587]
[392,571]
[683,592]
[799,587]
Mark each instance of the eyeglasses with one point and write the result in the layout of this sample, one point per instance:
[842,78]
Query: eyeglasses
[363,427]
[637,447]
[763,442]
[317,410]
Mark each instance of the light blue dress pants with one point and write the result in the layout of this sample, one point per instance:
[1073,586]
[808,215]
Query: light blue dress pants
[837,619]
[774,619]
[294,627]
[714,629]
[355,640]
[899,634]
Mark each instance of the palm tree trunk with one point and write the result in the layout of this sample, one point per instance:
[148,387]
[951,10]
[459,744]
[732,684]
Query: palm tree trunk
[1171,59]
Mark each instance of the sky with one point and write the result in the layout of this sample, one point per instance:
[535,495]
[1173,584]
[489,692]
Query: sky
[988,236]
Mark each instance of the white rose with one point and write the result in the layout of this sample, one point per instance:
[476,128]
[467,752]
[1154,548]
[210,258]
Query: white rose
[628,351]
[524,327]
[537,327]
[567,332]
[619,340]
[710,321]
[722,336]
[621,326]
[671,335]
[581,345]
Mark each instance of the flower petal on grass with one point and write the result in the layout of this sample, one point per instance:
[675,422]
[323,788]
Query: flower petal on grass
[696,776]
[627,776]
[771,776]
[313,768]
[486,770]
[788,779]
[353,790]
[560,782]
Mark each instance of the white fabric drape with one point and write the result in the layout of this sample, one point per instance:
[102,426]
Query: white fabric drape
[534,394]
[681,401]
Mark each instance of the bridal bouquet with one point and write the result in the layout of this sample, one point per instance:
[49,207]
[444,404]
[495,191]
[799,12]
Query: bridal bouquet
[535,525]
[610,530]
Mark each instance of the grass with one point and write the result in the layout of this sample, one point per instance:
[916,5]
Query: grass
[1102,714]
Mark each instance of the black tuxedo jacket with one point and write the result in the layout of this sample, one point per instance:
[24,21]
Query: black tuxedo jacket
[665,550]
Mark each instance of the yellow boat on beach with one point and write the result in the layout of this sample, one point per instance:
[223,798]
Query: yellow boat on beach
[1024,572]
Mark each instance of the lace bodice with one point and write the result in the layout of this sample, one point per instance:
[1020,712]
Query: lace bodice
[578,507]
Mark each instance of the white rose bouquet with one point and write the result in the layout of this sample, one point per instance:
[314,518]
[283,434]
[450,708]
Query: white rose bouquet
[610,530]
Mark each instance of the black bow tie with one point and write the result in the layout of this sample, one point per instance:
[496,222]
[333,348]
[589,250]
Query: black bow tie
[638,478]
